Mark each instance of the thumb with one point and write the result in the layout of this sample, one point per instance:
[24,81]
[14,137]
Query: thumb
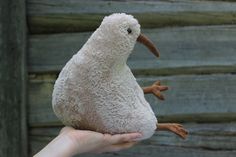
[66,129]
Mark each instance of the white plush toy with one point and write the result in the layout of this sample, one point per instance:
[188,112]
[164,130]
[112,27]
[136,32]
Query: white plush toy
[96,89]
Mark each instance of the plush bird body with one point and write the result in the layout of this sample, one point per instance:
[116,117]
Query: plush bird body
[97,91]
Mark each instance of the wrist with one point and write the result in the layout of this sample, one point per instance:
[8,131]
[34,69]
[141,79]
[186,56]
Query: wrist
[61,146]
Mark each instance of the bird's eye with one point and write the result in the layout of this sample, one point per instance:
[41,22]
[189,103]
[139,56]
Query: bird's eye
[129,30]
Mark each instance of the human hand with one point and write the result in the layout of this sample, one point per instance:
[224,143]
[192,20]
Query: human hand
[71,141]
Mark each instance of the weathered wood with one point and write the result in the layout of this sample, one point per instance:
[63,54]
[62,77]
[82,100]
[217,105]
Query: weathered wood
[51,16]
[42,24]
[195,98]
[206,49]
[138,6]
[166,151]
[39,99]
[153,151]
[13,129]
[210,135]
[221,136]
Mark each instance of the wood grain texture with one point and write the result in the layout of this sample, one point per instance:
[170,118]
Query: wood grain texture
[53,16]
[205,49]
[153,151]
[166,151]
[202,140]
[13,129]
[191,98]
[138,6]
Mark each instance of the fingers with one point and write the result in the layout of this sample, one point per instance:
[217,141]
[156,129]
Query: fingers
[118,142]
[117,147]
[121,138]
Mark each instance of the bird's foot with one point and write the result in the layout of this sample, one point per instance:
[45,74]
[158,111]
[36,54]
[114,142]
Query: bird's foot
[155,89]
[178,129]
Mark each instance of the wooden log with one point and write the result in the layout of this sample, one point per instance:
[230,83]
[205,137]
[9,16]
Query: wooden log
[166,151]
[153,151]
[53,16]
[210,136]
[13,128]
[39,99]
[203,138]
[206,49]
[191,98]
[138,6]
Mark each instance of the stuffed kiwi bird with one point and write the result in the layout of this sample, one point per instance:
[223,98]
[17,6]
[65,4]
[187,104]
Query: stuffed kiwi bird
[96,89]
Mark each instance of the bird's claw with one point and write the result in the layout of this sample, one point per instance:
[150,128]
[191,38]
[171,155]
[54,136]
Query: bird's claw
[157,88]
[178,129]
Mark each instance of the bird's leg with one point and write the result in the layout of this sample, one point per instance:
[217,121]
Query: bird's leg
[155,89]
[178,129]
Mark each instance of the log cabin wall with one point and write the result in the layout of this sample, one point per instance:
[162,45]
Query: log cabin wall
[197,41]
[13,79]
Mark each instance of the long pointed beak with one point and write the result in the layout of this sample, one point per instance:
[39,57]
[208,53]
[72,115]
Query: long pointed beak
[148,43]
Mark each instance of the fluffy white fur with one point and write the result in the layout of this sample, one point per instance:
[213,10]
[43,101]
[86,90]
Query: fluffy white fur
[96,89]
